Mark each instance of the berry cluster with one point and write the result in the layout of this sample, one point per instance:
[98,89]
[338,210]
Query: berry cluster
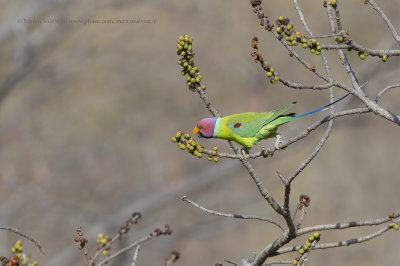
[192,73]
[159,232]
[19,257]
[213,155]
[395,226]
[311,238]
[80,239]
[185,141]
[102,241]
[12,261]
[332,3]
[259,58]
[284,29]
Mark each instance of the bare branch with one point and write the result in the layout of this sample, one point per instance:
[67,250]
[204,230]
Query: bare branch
[33,240]
[237,216]
[129,247]
[385,90]
[135,255]
[385,19]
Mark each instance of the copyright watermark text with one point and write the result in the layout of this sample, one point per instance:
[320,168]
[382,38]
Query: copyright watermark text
[84,21]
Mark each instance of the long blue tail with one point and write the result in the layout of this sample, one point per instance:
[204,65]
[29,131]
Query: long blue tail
[321,108]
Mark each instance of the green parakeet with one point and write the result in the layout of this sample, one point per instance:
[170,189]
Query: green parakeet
[248,129]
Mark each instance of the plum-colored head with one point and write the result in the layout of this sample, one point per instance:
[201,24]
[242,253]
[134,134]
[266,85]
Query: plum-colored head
[205,127]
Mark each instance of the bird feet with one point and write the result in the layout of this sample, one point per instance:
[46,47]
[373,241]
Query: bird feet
[278,142]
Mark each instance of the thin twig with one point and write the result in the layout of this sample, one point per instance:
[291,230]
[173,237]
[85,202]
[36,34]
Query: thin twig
[135,255]
[129,247]
[339,243]
[386,20]
[385,90]
[33,240]
[230,262]
[338,226]
[274,262]
[237,216]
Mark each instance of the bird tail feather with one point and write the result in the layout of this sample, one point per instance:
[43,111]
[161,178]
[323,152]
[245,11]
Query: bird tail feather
[321,108]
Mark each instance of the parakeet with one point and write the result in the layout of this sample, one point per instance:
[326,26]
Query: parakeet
[248,129]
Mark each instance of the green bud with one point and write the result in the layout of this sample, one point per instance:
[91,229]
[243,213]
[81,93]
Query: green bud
[313,41]
[272,81]
[182,146]
[179,47]
[311,238]
[174,140]
[199,155]
[213,153]
[312,51]
[294,262]
[187,136]
[396,227]
[181,38]
[271,69]
[280,18]
[198,79]
[210,158]
[216,159]
[269,74]
[183,53]
[303,40]
[362,56]
[189,48]
[178,134]
[384,58]
[278,29]
[190,40]
[203,87]
[316,235]
[189,147]
[215,148]
[192,80]
[289,27]
[301,251]
[276,78]
[390,225]
[305,45]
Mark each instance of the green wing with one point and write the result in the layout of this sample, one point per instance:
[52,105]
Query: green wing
[249,124]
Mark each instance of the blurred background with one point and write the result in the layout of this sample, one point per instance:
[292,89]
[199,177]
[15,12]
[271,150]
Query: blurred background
[87,112]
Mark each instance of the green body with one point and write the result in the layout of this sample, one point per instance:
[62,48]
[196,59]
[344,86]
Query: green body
[248,129]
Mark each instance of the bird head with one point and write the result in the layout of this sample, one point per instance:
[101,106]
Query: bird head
[205,127]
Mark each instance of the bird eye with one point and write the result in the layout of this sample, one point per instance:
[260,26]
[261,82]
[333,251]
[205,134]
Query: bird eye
[202,127]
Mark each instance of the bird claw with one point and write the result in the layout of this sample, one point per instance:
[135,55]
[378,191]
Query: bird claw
[278,142]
